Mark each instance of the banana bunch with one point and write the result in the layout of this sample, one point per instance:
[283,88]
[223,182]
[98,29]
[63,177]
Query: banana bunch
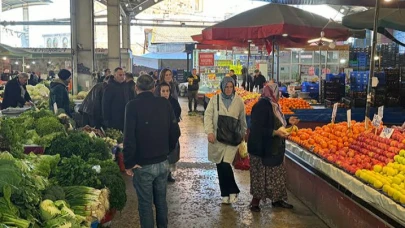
[292,129]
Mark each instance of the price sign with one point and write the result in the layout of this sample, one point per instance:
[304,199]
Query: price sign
[349,118]
[387,132]
[377,121]
[55,108]
[334,111]
[381,111]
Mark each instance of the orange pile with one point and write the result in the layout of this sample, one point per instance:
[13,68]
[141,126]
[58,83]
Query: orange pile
[331,137]
[293,103]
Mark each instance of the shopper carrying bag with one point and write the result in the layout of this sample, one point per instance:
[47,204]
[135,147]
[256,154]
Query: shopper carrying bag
[225,125]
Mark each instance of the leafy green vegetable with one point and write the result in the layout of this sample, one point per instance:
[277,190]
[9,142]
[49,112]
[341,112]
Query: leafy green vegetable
[54,193]
[115,134]
[48,125]
[10,174]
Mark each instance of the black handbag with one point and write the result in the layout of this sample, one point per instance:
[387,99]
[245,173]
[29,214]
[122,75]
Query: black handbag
[228,129]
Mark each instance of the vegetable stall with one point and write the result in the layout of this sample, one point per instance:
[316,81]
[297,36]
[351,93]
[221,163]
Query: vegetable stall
[74,183]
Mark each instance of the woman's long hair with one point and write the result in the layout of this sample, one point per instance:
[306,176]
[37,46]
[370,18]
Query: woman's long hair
[163,73]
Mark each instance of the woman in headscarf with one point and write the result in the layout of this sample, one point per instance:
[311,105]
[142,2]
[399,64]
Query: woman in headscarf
[266,146]
[166,75]
[230,104]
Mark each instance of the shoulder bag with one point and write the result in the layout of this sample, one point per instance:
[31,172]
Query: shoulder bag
[228,129]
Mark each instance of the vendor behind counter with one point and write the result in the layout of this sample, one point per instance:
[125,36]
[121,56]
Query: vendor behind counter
[16,94]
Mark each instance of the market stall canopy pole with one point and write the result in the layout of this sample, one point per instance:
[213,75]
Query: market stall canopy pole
[284,22]
[372,62]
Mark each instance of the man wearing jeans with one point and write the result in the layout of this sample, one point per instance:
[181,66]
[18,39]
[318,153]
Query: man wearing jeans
[192,92]
[151,132]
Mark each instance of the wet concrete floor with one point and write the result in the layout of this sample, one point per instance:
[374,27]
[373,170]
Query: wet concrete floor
[194,200]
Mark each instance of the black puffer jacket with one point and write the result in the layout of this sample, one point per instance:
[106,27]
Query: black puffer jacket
[59,95]
[116,96]
[12,94]
[92,104]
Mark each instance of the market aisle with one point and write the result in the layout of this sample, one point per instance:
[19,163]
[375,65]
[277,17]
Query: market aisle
[194,200]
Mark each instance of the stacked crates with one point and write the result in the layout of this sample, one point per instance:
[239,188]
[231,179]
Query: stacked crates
[312,88]
[359,81]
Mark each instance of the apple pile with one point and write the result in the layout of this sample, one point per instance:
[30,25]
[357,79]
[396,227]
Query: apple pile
[378,148]
[389,178]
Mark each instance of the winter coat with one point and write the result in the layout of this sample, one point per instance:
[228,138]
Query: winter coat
[174,155]
[247,82]
[261,141]
[218,151]
[115,98]
[259,81]
[12,94]
[176,108]
[92,104]
[193,82]
[151,130]
[59,95]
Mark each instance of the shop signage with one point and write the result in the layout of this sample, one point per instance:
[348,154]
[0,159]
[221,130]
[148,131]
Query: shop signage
[381,111]
[377,121]
[206,59]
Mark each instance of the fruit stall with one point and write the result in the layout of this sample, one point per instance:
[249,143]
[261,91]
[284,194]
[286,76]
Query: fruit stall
[73,181]
[362,171]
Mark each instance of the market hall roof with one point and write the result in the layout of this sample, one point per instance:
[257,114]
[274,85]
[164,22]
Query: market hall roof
[13,4]
[366,3]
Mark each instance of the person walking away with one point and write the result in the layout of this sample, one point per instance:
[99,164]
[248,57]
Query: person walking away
[174,156]
[129,79]
[59,94]
[259,80]
[149,119]
[16,94]
[116,96]
[228,105]
[233,75]
[247,82]
[107,73]
[266,146]
[192,92]
[166,75]
[33,79]
[91,106]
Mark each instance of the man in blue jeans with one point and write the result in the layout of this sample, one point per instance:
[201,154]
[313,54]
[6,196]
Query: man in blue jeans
[151,132]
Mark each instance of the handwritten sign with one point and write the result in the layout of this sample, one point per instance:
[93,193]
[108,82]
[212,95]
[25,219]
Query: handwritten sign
[349,118]
[206,59]
[381,111]
[377,121]
[387,132]
[334,111]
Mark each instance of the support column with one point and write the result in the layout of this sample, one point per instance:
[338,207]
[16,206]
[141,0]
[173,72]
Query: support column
[113,27]
[25,38]
[1,27]
[126,32]
[82,28]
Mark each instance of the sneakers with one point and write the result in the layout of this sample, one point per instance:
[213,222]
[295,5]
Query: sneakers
[225,200]
[233,198]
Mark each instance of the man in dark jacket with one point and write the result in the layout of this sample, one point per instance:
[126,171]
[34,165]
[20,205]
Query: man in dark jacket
[129,79]
[91,106]
[259,80]
[59,92]
[16,94]
[247,83]
[233,75]
[151,132]
[116,96]
[192,92]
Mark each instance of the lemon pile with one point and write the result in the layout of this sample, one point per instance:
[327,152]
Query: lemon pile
[390,178]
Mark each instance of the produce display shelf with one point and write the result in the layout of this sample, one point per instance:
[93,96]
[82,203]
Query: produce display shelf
[370,199]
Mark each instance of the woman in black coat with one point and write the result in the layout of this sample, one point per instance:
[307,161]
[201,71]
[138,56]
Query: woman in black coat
[16,94]
[164,91]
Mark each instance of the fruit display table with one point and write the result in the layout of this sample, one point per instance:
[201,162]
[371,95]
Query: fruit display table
[333,193]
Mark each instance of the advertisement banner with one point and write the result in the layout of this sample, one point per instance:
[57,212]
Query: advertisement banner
[206,59]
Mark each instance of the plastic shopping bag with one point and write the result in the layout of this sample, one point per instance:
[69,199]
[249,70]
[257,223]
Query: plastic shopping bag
[243,149]
[241,163]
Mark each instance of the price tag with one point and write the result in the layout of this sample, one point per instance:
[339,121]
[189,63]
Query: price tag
[334,111]
[377,121]
[386,132]
[349,118]
[381,111]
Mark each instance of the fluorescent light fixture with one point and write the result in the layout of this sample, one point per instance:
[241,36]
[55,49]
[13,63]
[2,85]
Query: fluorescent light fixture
[49,62]
[140,8]
[33,62]
[343,61]
[28,66]
[246,52]
[376,58]
[4,58]
[219,53]
[342,10]
[156,0]
[285,35]
[16,63]
[321,39]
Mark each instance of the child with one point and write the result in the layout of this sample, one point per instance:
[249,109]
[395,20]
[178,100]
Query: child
[174,156]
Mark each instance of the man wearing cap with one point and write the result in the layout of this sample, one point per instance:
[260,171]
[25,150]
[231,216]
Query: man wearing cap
[59,92]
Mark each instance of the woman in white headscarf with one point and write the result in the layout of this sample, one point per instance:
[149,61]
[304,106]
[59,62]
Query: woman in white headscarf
[230,104]
[266,147]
